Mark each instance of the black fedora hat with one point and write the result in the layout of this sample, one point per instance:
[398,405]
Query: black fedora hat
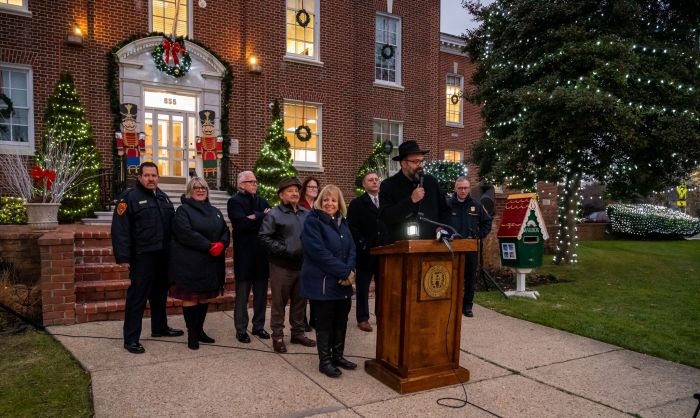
[289,181]
[408,148]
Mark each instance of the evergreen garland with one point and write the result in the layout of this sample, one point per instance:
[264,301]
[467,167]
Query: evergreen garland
[375,162]
[275,161]
[65,120]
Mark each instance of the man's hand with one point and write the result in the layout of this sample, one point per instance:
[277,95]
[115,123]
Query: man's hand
[266,210]
[251,216]
[418,194]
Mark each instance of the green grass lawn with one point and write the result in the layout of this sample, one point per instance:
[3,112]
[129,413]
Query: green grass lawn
[641,295]
[38,378]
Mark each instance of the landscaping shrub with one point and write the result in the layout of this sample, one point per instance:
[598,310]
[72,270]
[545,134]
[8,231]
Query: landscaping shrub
[12,211]
[651,221]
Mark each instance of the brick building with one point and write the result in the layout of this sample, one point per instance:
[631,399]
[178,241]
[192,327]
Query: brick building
[355,71]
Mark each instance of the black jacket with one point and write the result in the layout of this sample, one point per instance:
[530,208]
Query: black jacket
[249,257]
[396,209]
[469,218]
[280,234]
[367,230]
[141,223]
[196,226]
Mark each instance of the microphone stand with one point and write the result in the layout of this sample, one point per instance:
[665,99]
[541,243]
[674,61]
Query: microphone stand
[485,274]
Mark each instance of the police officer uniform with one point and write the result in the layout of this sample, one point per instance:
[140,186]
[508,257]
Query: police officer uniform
[140,236]
[471,220]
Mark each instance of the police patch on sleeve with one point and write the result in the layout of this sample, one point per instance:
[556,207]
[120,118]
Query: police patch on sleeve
[121,208]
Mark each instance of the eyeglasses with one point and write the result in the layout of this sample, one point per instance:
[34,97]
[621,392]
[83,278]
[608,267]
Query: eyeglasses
[312,187]
[417,162]
[250,181]
[200,188]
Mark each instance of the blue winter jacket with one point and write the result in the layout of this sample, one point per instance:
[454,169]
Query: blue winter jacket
[329,256]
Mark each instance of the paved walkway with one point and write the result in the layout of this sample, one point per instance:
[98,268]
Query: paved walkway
[518,369]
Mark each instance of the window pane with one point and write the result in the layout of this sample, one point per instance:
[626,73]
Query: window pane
[19,97]
[299,114]
[164,15]
[18,80]
[20,133]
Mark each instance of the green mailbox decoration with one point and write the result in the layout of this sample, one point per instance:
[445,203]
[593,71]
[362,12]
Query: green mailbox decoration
[521,238]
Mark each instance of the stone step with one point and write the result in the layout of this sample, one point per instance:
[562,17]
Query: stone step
[93,272]
[101,290]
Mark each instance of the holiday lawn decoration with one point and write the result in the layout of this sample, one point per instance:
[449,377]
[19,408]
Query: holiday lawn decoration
[651,221]
[171,57]
[209,146]
[129,142]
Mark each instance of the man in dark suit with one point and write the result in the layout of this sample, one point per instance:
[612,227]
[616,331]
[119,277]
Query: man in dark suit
[410,192]
[246,210]
[363,218]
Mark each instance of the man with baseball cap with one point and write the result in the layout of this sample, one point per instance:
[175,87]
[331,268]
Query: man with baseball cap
[280,234]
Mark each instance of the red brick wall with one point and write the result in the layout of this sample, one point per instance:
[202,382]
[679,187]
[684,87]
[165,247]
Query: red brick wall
[235,30]
[18,246]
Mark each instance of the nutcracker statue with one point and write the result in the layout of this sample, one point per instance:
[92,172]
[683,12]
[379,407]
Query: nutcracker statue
[129,142]
[209,147]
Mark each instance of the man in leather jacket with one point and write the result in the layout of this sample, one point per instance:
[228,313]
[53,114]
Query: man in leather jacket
[140,241]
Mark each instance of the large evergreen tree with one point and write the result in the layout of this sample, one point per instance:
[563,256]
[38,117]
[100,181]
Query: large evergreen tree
[275,160]
[376,162]
[586,89]
[65,121]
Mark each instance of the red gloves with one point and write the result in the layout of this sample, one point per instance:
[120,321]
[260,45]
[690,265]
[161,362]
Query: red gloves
[215,248]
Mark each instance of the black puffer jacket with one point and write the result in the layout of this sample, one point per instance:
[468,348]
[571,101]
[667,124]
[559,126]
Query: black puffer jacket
[195,227]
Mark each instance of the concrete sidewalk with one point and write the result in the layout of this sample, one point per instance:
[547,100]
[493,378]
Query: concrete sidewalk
[518,369]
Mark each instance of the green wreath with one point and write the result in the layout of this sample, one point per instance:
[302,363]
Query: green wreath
[302,137]
[303,22]
[6,112]
[387,147]
[175,70]
[387,51]
[454,99]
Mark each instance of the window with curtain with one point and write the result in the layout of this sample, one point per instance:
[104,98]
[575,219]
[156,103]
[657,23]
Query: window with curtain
[387,49]
[163,16]
[393,131]
[16,127]
[304,153]
[454,100]
[302,41]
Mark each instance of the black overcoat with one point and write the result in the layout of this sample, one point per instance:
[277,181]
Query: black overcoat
[195,227]
[367,230]
[249,256]
[396,209]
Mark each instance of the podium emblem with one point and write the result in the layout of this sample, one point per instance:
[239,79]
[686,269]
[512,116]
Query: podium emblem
[436,281]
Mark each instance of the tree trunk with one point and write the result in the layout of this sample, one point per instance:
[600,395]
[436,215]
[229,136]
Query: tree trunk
[567,238]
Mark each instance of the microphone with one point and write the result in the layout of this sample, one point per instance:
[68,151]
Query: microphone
[420,179]
[449,228]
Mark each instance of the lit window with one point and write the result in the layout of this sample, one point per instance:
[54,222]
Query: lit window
[163,15]
[297,116]
[387,49]
[453,109]
[19,4]
[508,250]
[302,28]
[17,127]
[393,131]
[454,156]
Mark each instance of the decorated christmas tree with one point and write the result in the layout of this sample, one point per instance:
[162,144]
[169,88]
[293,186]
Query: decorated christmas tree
[65,121]
[275,161]
[375,162]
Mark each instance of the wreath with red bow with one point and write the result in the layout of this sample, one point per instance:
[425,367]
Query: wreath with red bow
[172,50]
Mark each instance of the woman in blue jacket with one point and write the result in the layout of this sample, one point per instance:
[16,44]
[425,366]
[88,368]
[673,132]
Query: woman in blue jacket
[327,276]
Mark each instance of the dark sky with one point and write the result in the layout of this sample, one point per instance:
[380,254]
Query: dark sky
[454,19]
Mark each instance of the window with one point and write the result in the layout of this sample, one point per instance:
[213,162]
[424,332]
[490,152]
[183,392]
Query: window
[17,128]
[387,50]
[393,131]
[302,41]
[508,250]
[304,153]
[453,155]
[453,109]
[163,15]
[15,7]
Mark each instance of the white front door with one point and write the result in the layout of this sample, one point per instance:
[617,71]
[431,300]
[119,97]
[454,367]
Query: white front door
[170,141]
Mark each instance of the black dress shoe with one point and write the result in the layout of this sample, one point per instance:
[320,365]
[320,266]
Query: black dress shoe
[168,332]
[243,337]
[344,363]
[468,313]
[262,334]
[134,348]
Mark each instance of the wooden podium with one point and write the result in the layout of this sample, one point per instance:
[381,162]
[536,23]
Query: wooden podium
[419,315]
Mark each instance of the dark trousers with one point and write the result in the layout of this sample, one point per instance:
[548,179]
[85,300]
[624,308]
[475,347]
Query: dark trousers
[332,317]
[285,284]
[364,278]
[240,314]
[148,274]
[469,278]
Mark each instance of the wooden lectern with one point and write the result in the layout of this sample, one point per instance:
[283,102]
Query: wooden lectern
[419,314]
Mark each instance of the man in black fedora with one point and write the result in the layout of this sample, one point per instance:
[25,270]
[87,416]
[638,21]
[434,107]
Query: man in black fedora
[409,192]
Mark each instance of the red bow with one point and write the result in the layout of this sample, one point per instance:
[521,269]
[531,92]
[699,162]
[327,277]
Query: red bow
[41,176]
[172,48]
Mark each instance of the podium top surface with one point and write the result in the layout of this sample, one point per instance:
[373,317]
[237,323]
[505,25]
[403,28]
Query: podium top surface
[425,246]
